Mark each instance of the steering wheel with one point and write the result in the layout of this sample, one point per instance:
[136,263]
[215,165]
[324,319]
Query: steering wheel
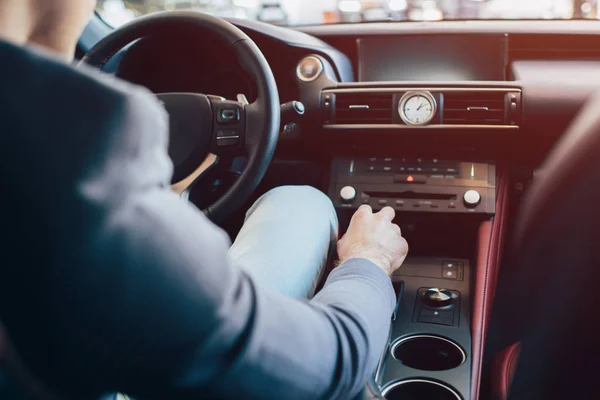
[205,127]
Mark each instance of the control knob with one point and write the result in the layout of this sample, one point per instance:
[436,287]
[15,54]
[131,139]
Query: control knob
[348,194]
[437,298]
[472,198]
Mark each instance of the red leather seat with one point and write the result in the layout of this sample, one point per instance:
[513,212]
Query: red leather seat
[503,371]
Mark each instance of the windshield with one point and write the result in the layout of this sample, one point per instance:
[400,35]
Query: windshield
[313,12]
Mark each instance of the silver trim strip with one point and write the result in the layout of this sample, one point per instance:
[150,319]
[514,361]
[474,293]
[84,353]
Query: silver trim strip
[359,106]
[319,71]
[342,127]
[389,388]
[478,109]
[412,89]
[228,137]
[408,338]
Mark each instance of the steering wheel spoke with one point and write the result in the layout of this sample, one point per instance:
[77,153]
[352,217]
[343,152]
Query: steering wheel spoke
[184,186]
[229,127]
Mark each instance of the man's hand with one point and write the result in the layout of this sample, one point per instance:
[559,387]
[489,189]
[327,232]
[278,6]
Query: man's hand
[374,237]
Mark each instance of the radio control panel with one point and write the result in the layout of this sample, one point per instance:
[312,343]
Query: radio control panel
[414,185]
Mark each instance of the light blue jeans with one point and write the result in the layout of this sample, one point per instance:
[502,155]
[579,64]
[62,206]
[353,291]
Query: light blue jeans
[286,238]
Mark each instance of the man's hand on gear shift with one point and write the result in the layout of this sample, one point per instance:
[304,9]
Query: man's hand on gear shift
[374,237]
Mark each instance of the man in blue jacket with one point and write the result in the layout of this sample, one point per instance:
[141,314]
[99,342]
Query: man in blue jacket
[110,282]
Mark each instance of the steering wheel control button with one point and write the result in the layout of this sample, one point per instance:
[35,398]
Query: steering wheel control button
[228,114]
[309,69]
[227,138]
[348,194]
[437,298]
[472,198]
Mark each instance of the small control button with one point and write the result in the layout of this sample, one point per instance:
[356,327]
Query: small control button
[410,178]
[440,317]
[371,168]
[382,202]
[227,141]
[309,69]
[449,264]
[228,114]
[387,168]
[400,203]
[348,193]
[450,273]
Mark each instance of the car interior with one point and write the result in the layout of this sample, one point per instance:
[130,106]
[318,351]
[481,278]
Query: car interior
[481,135]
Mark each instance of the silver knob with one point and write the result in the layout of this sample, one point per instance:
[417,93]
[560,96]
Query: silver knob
[472,198]
[436,297]
[348,193]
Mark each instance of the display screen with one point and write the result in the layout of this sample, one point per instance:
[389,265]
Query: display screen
[433,58]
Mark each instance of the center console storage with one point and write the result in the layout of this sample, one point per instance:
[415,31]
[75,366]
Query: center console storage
[428,356]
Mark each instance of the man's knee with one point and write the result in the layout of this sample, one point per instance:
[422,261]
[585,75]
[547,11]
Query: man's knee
[300,198]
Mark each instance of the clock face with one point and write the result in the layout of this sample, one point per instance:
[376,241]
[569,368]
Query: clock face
[417,108]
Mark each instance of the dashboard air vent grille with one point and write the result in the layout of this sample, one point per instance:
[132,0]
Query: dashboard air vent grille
[363,108]
[474,108]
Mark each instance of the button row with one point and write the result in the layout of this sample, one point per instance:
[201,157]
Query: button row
[403,160]
[412,169]
[403,203]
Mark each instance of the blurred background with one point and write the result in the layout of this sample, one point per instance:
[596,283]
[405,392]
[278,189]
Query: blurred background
[311,12]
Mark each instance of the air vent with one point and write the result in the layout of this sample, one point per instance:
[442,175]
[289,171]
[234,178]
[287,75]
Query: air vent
[363,108]
[474,108]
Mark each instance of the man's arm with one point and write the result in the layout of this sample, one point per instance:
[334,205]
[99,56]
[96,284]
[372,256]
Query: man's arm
[213,333]
[134,291]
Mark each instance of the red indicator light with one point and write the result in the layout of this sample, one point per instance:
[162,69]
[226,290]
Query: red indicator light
[410,179]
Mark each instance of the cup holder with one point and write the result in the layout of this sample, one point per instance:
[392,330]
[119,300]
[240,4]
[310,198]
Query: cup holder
[419,389]
[428,353]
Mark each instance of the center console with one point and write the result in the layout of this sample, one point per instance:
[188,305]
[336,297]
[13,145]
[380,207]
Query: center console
[440,206]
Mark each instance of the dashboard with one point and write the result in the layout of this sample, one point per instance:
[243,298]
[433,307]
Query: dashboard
[453,89]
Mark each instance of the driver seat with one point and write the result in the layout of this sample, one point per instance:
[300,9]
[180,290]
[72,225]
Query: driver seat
[545,319]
